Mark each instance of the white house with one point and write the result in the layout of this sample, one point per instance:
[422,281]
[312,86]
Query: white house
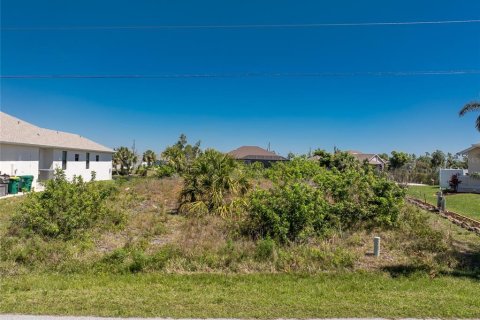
[470,179]
[26,149]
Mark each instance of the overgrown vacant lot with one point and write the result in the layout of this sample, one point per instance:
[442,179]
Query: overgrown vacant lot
[467,204]
[155,238]
[296,243]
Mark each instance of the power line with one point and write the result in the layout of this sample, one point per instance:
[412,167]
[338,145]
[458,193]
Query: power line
[243,26]
[244,75]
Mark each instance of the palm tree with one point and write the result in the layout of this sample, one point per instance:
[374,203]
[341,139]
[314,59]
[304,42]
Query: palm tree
[471,106]
[181,155]
[124,159]
[214,184]
[149,157]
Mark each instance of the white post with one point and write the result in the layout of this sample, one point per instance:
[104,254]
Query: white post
[443,204]
[439,200]
[376,246]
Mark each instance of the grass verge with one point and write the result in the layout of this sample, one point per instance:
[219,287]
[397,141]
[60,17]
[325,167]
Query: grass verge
[467,204]
[245,296]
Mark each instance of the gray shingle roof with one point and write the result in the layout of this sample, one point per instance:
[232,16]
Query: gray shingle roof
[255,153]
[16,131]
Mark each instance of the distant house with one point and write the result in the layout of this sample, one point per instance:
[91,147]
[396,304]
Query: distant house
[470,179]
[251,154]
[473,156]
[372,159]
[26,149]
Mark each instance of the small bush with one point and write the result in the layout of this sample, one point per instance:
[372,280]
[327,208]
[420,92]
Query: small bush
[454,182]
[415,226]
[291,212]
[265,249]
[164,171]
[139,261]
[65,209]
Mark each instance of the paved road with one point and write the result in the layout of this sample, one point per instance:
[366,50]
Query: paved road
[23,317]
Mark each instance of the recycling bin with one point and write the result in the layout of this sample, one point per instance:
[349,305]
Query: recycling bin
[26,183]
[13,185]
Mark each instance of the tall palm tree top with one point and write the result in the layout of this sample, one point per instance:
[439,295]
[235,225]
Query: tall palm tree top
[469,107]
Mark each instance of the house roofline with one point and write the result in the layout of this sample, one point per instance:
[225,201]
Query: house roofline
[107,150]
[474,146]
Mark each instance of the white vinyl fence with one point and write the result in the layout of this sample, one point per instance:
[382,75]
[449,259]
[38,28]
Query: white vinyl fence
[468,183]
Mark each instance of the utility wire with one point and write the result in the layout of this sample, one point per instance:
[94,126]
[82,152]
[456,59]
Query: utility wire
[242,75]
[243,26]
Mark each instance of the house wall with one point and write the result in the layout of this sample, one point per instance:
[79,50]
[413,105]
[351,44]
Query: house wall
[102,168]
[45,158]
[28,160]
[474,160]
[19,160]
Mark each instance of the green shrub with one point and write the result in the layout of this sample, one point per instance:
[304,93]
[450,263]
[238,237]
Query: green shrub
[309,200]
[255,170]
[289,212]
[139,261]
[164,171]
[159,259]
[296,170]
[265,249]
[415,226]
[134,259]
[361,196]
[65,209]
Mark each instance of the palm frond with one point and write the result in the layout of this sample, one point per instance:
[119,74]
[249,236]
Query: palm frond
[471,106]
[196,208]
[477,125]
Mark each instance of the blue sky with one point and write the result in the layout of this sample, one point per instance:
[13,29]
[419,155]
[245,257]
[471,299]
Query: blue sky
[368,113]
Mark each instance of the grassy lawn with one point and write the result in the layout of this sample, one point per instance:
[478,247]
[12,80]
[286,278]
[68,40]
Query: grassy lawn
[246,296]
[466,204]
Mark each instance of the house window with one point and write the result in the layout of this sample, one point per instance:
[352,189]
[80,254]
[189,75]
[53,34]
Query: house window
[64,160]
[97,158]
[88,160]
[77,157]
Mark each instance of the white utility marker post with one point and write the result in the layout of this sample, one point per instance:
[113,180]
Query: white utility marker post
[376,246]
[443,205]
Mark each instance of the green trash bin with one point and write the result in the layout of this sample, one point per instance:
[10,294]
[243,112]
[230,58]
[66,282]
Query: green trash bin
[26,183]
[13,185]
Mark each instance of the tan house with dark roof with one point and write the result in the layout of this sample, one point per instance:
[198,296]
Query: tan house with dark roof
[251,154]
[26,149]
[372,159]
